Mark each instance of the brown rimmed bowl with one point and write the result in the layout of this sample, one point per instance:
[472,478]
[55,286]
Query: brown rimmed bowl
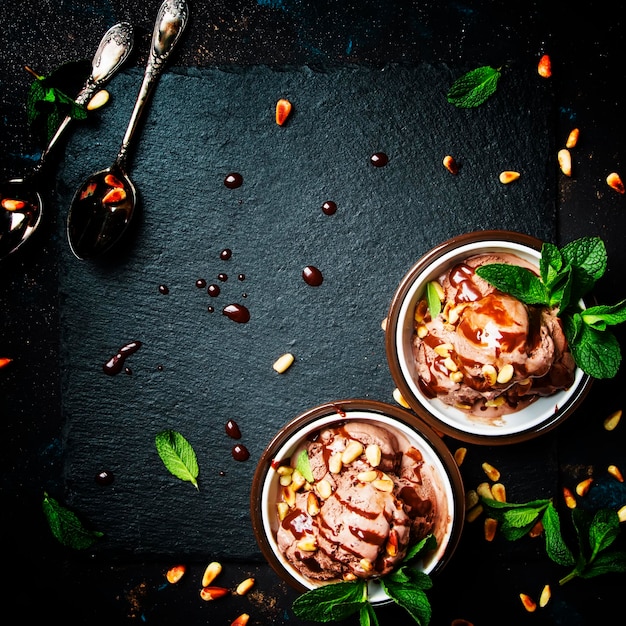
[440,462]
[539,417]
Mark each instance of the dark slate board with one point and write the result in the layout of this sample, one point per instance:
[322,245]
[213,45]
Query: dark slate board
[201,125]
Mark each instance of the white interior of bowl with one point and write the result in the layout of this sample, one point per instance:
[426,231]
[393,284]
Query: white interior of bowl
[269,494]
[531,417]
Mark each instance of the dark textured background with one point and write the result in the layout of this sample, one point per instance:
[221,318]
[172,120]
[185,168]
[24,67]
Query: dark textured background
[202,126]
[483,582]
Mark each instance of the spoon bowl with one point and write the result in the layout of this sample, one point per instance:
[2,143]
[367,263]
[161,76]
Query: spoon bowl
[21,205]
[104,204]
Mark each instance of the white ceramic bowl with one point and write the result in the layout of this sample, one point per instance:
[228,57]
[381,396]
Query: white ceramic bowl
[539,417]
[437,458]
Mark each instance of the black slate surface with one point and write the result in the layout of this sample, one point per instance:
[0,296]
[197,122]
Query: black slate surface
[197,369]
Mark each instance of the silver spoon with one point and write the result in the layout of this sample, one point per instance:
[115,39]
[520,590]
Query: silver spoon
[21,205]
[104,204]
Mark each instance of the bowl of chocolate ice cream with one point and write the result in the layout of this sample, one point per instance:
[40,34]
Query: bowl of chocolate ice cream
[473,362]
[347,488]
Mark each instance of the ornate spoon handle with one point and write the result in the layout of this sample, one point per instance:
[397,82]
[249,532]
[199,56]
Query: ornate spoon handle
[170,23]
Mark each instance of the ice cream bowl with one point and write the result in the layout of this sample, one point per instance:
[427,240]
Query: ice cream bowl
[438,471]
[489,427]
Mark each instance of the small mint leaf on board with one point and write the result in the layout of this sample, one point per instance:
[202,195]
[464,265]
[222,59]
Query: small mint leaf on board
[515,520]
[177,455]
[517,281]
[606,563]
[331,603]
[66,526]
[474,88]
[426,544]
[304,466]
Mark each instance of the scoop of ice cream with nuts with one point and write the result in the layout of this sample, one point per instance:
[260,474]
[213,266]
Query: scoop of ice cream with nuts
[368,497]
[485,351]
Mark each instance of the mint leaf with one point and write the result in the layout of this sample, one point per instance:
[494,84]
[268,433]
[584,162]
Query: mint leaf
[607,563]
[517,281]
[550,263]
[603,531]
[66,526]
[601,316]
[177,455]
[556,547]
[587,254]
[410,597]
[596,352]
[304,467]
[474,88]
[367,617]
[432,298]
[515,520]
[331,603]
[424,545]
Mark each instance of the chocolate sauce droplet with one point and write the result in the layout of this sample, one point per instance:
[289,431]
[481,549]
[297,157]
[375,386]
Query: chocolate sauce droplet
[329,207]
[312,276]
[241,277]
[240,452]
[379,159]
[160,368]
[104,478]
[164,289]
[225,254]
[232,429]
[233,180]
[201,283]
[237,312]
[223,277]
[213,290]
[210,309]
[116,363]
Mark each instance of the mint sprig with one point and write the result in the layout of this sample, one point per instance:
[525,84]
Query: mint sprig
[566,275]
[595,534]
[406,586]
[474,88]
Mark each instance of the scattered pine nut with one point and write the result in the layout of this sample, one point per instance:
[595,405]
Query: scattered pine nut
[213,593]
[536,530]
[491,525]
[546,594]
[484,491]
[4,361]
[9,204]
[491,471]
[613,420]
[569,498]
[572,138]
[459,455]
[499,492]
[474,513]
[614,181]
[529,604]
[99,99]
[583,486]
[283,363]
[210,573]
[508,177]
[244,586]
[242,620]
[621,514]
[615,472]
[450,164]
[283,110]
[383,324]
[399,398]
[565,161]
[461,622]
[471,499]
[174,574]
[544,67]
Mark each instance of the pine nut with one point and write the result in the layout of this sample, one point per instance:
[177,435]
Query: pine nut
[283,363]
[373,454]
[353,451]
[211,572]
